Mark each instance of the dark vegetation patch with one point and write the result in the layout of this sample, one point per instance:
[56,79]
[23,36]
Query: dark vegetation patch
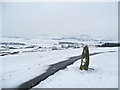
[66,43]
[8,53]
[12,43]
[109,45]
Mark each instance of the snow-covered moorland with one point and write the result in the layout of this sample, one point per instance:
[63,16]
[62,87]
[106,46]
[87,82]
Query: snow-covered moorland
[105,74]
[34,56]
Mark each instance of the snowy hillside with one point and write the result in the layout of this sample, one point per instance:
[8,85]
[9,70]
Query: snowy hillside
[47,42]
[105,74]
[25,58]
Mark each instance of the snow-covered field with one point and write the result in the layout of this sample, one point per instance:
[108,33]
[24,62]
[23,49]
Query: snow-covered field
[31,62]
[105,74]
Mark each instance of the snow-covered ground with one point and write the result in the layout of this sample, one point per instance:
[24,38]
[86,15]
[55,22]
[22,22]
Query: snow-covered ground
[21,67]
[105,74]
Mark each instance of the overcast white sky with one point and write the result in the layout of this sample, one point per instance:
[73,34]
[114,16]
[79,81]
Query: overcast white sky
[25,18]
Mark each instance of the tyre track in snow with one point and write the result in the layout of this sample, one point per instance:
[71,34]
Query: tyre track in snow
[52,70]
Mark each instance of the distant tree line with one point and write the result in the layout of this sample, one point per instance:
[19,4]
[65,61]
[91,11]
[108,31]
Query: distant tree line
[109,45]
[11,43]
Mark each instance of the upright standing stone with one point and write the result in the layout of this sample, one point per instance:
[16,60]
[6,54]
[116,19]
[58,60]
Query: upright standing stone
[85,59]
